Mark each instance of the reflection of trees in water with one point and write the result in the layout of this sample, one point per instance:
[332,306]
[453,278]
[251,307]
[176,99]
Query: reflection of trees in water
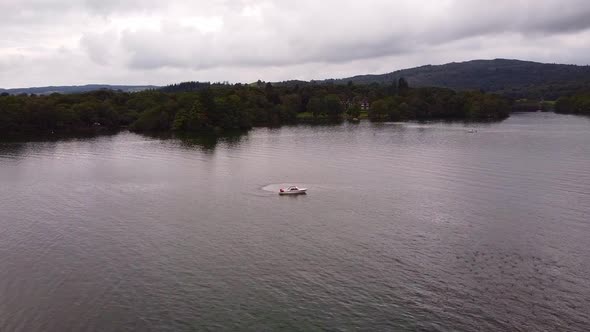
[14,146]
[208,142]
[18,145]
[57,137]
[11,150]
[204,141]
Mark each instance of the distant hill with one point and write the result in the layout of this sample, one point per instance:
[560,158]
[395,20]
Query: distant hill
[514,78]
[511,78]
[45,90]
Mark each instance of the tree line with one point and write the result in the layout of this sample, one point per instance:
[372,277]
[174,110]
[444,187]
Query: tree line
[196,106]
[578,103]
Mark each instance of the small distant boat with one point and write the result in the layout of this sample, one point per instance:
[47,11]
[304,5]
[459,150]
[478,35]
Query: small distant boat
[292,190]
[472,131]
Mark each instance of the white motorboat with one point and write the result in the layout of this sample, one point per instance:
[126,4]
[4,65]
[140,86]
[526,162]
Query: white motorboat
[292,190]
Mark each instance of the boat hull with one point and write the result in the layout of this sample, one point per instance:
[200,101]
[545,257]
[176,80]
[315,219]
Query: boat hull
[293,192]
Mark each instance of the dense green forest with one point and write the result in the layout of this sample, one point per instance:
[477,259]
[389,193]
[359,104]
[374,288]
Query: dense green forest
[511,78]
[576,104]
[194,106]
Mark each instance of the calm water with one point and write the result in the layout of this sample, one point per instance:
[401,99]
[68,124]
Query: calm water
[406,227]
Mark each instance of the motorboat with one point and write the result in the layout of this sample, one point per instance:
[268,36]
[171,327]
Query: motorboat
[292,190]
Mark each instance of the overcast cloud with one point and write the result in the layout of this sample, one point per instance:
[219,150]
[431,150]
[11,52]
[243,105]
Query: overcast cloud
[55,42]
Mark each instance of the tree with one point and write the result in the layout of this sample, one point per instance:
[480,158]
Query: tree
[219,105]
[271,94]
[291,106]
[316,106]
[402,85]
[393,88]
[354,111]
[190,119]
[379,110]
[207,100]
[334,107]
[154,119]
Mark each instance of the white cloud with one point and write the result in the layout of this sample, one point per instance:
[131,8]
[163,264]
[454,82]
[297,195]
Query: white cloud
[159,42]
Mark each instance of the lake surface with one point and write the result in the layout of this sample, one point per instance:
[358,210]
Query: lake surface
[405,227]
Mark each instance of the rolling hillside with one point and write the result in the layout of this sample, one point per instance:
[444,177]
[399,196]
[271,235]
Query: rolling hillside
[511,78]
[514,78]
[45,90]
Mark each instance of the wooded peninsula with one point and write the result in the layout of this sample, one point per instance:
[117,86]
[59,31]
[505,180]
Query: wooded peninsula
[196,106]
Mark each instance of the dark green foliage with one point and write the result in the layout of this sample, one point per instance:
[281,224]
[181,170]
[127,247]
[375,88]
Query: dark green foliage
[231,113]
[316,106]
[481,106]
[379,110]
[239,106]
[334,108]
[510,78]
[153,119]
[576,104]
[190,118]
[291,106]
[402,85]
[354,111]
[437,103]
[186,87]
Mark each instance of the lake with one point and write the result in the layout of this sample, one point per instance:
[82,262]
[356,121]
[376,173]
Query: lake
[406,226]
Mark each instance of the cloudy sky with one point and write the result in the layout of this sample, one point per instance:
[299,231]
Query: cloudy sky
[63,42]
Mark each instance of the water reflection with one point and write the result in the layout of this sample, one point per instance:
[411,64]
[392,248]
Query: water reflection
[56,137]
[206,142]
[406,227]
[19,145]
[11,149]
